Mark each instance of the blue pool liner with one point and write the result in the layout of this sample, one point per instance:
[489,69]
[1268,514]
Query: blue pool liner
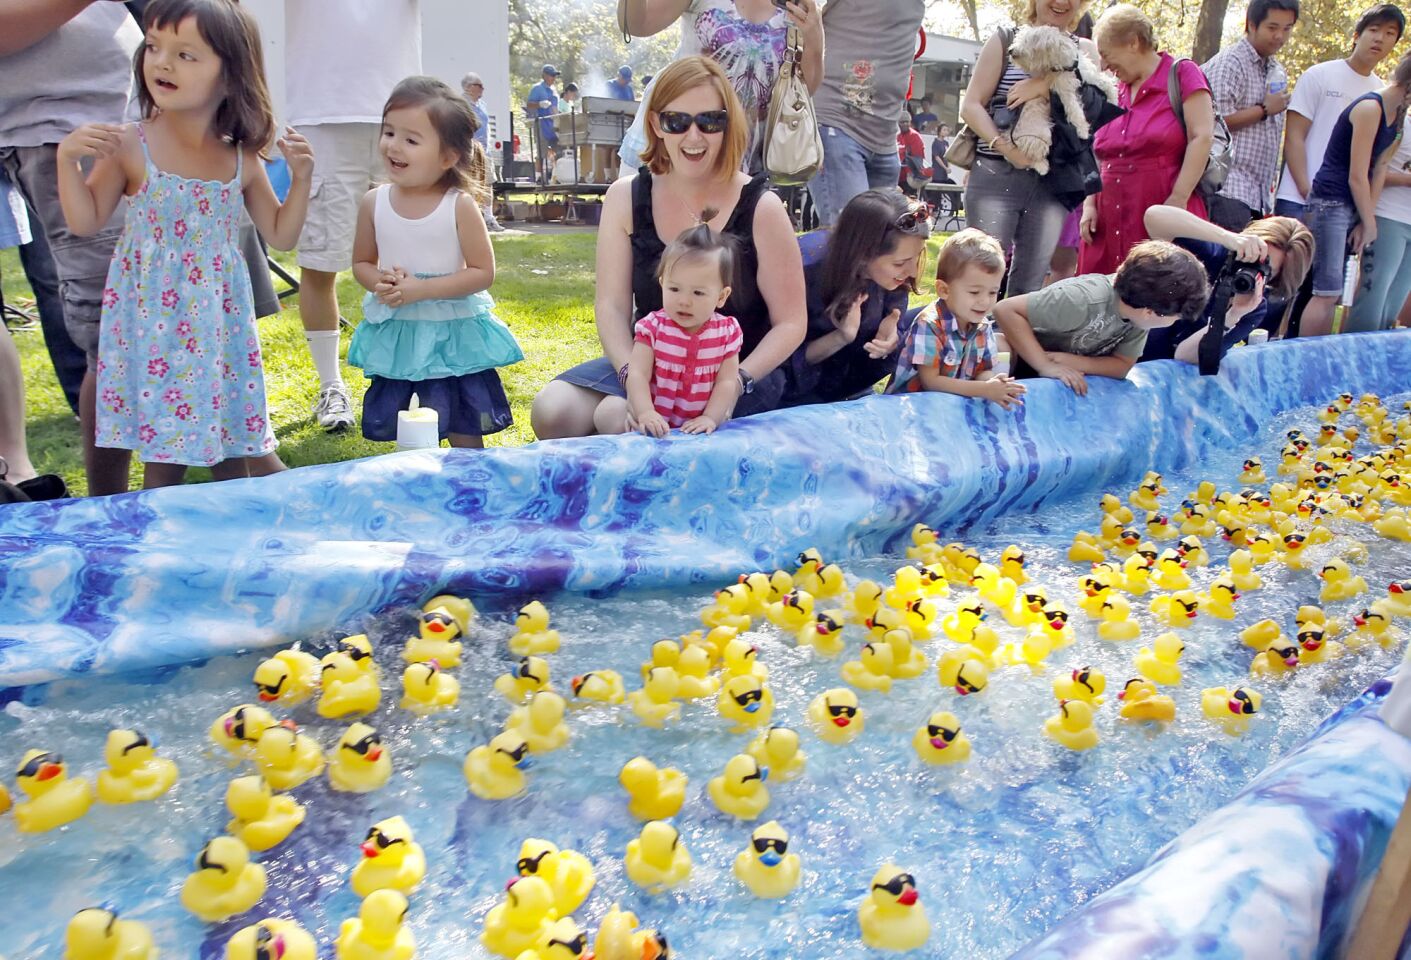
[153,579]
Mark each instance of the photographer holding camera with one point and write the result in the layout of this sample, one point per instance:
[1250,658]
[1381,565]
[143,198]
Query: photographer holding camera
[1274,252]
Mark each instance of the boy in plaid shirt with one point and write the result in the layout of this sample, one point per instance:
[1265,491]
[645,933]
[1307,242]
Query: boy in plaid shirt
[951,345]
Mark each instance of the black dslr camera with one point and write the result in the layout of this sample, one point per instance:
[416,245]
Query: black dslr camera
[1234,279]
[1244,276]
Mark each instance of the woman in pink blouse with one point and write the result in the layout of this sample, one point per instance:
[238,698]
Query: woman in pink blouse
[1145,157]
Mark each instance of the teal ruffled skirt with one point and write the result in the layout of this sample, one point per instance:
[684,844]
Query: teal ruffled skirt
[432,339]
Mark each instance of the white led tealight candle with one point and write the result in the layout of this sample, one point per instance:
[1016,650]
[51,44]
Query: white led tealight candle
[418,427]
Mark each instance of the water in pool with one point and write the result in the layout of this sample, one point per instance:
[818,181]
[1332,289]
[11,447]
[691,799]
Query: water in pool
[1001,846]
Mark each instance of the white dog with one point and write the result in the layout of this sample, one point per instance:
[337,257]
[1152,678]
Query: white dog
[1050,54]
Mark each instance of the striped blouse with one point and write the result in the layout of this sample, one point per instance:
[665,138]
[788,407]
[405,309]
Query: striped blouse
[685,364]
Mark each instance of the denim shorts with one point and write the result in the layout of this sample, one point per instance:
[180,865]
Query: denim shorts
[1330,222]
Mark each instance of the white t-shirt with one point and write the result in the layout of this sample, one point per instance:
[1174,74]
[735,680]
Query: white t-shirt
[1322,94]
[343,57]
[1395,202]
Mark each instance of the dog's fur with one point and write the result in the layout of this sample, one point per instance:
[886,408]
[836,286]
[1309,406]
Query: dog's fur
[1050,54]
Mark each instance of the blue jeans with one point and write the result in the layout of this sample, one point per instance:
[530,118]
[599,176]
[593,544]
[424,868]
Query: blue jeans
[1330,222]
[43,276]
[849,168]
[1015,208]
[1386,279]
[1288,208]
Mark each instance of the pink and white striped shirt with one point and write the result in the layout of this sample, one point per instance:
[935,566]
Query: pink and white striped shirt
[685,364]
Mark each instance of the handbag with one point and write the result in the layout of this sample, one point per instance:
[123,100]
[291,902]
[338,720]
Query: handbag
[961,152]
[1222,148]
[793,148]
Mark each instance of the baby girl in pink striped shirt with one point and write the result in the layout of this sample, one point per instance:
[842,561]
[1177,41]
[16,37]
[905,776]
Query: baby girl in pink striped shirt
[686,355]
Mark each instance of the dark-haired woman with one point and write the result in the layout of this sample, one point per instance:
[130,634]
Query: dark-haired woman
[859,275]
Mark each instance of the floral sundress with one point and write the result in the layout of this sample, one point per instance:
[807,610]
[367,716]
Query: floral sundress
[180,378]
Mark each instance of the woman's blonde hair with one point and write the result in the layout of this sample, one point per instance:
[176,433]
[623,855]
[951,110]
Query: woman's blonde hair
[1294,239]
[1124,23]
[687,74]
[1032,16]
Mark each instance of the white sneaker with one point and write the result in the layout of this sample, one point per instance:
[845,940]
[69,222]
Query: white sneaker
[334,409]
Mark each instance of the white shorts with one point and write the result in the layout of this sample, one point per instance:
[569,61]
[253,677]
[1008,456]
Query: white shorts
[346,166]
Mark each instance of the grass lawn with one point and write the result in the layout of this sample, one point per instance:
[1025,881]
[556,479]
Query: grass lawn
[544,291]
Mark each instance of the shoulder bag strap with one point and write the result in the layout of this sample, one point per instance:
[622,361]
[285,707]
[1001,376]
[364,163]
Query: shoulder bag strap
[1173,89]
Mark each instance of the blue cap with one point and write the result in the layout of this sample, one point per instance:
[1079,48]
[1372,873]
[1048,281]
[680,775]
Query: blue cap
[550,69]
[625,72]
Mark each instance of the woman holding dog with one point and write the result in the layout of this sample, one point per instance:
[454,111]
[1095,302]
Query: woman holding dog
[1146,157]
[1005,197]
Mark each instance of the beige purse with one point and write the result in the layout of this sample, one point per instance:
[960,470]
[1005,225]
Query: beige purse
[793,149]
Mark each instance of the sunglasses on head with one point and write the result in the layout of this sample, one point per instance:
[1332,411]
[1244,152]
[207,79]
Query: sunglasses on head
[677,122]
[914,218]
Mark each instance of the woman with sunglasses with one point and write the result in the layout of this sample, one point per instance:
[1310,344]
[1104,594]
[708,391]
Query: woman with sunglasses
[696,137]
[747,39]
[860,275]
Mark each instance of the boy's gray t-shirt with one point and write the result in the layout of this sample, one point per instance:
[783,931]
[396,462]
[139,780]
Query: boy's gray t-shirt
[867,57]
[81,73]
[1081,315]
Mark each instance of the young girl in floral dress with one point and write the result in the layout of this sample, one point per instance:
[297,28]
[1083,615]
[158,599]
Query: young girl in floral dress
[180,378]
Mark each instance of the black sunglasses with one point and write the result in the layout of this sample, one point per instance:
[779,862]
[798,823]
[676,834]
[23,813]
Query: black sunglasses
[840,710]
[32,767]
[575,946]
[529,865]
[897,884]
[381,839]
[942,733]
[761,844]
[914,218]
[677,121]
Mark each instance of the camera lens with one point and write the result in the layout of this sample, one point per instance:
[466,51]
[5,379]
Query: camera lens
[1244,281]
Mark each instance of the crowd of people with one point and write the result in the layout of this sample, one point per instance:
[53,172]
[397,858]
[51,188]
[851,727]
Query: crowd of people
[708,305]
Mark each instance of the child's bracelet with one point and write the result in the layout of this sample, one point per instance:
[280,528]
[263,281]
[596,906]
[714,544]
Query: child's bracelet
[622,375]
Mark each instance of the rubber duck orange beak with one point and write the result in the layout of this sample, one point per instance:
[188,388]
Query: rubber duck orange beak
[907,898]
[374,755]
[435,627]
[370,849]
[841,721]
[48,772]
[1360,620]
[1236,707]
[940,743]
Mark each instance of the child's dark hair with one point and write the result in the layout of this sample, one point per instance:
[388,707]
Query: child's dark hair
[245,117]
[455,125]
[1163,278]
[870,226]
[701,242]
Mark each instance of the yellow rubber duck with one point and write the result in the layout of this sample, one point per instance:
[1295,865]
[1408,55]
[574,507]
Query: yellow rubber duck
[925,543]
[694,679]
[1142,702]
[1072,726]
[540,722]
[599,686]
[959,561]
[359,763]
[1204,492]
[941,741]
[460,608]
[1373,625]
[495,771]
[1083,683]
[808,561]
[740,658]
[1279,658]
[1115,508]
[427,689]
[96,933]
[1086,548]
[1261,549]
[1242,571]
[907,661]
[1136,575]
[1260,634]
[1339,582]
[657,859]
[766,866]
[777,749]
[1192,551]
[1229,709]
[872,669]
[1196,521]
[134,772]
[984,643]
[290,676]
[532,636]
[1176,610]
[824,634]
[739,790]
[619,939]
[1031,651]
[239,729]
[792,612]
[261,819]
[960,625]
[745,701]
[1011,565]
[1317,648]
[54,799]
[729,609]
[962,671]
[1219,600]
[269,939]
[1158,526]
[528,677]
[1054,624]
[1233,532]
[891,916]
[758,587]
[225,882]
[1117,623]
[438,638]
[1311,615]
[1144,497]
[359,647]
[567,872]
[1393,525]
[655,704]
[865,599]
[563,940]
[1294,544]
[1398,598]
[886,618]
[378,932]
[920,617]
[1096,587]
[1027,609]
[653,793]
[836,716]
[665,653]
[346,688]
[392,859]
[1170,573]
[1159,662]
[827,583]
[994,586]
[1252,471]
[287,758]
